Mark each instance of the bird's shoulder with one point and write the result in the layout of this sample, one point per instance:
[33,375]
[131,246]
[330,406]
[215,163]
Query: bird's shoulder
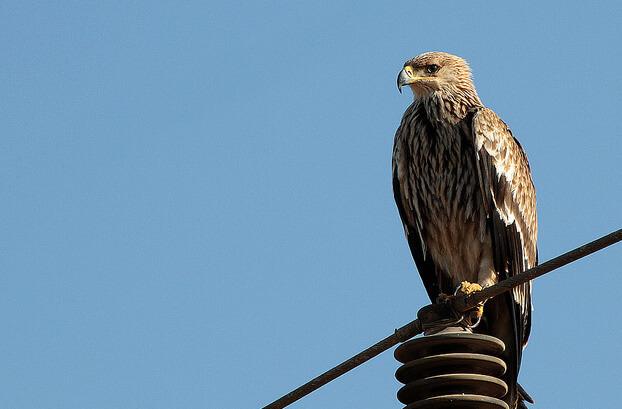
[489,129]
[493,135]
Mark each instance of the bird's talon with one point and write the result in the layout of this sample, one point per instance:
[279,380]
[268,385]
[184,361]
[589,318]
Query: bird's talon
[473,316]
[468,288]
[478,311]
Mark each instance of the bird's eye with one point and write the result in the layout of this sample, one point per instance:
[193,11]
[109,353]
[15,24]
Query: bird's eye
[432,68]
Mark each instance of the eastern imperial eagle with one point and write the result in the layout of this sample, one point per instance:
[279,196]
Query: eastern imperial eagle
[464,191]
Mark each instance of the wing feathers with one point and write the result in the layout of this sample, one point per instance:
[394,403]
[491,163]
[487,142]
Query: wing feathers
[509,198]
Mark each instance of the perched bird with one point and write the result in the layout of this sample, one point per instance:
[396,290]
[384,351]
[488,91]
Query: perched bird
[464,192]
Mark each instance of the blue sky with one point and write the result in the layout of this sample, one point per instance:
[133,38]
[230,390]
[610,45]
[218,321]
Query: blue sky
[197,207]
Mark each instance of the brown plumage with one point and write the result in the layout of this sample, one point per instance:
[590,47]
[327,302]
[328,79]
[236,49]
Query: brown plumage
[464,191]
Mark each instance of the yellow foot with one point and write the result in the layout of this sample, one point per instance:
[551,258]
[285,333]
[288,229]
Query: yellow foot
[475,315]
[467,288]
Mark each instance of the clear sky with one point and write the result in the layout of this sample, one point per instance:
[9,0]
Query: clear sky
[197,207]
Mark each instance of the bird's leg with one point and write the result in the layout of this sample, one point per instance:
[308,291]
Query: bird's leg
[473,316]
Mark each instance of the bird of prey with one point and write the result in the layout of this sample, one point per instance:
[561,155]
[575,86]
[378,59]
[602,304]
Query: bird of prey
[464,192]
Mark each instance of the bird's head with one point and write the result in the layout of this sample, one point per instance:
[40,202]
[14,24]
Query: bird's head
[436,71]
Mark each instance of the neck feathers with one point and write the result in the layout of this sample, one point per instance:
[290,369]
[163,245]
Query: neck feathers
[451,105]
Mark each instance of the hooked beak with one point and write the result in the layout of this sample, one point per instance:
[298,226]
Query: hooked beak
[406,77]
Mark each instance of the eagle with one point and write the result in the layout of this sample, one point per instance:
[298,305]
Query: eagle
[465,195]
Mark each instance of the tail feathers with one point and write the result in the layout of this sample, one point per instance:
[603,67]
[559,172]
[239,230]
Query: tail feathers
[523,397]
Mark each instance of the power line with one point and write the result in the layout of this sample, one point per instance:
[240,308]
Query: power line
[459,304]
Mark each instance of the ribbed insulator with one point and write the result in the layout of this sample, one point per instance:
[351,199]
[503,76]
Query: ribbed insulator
[452,370]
